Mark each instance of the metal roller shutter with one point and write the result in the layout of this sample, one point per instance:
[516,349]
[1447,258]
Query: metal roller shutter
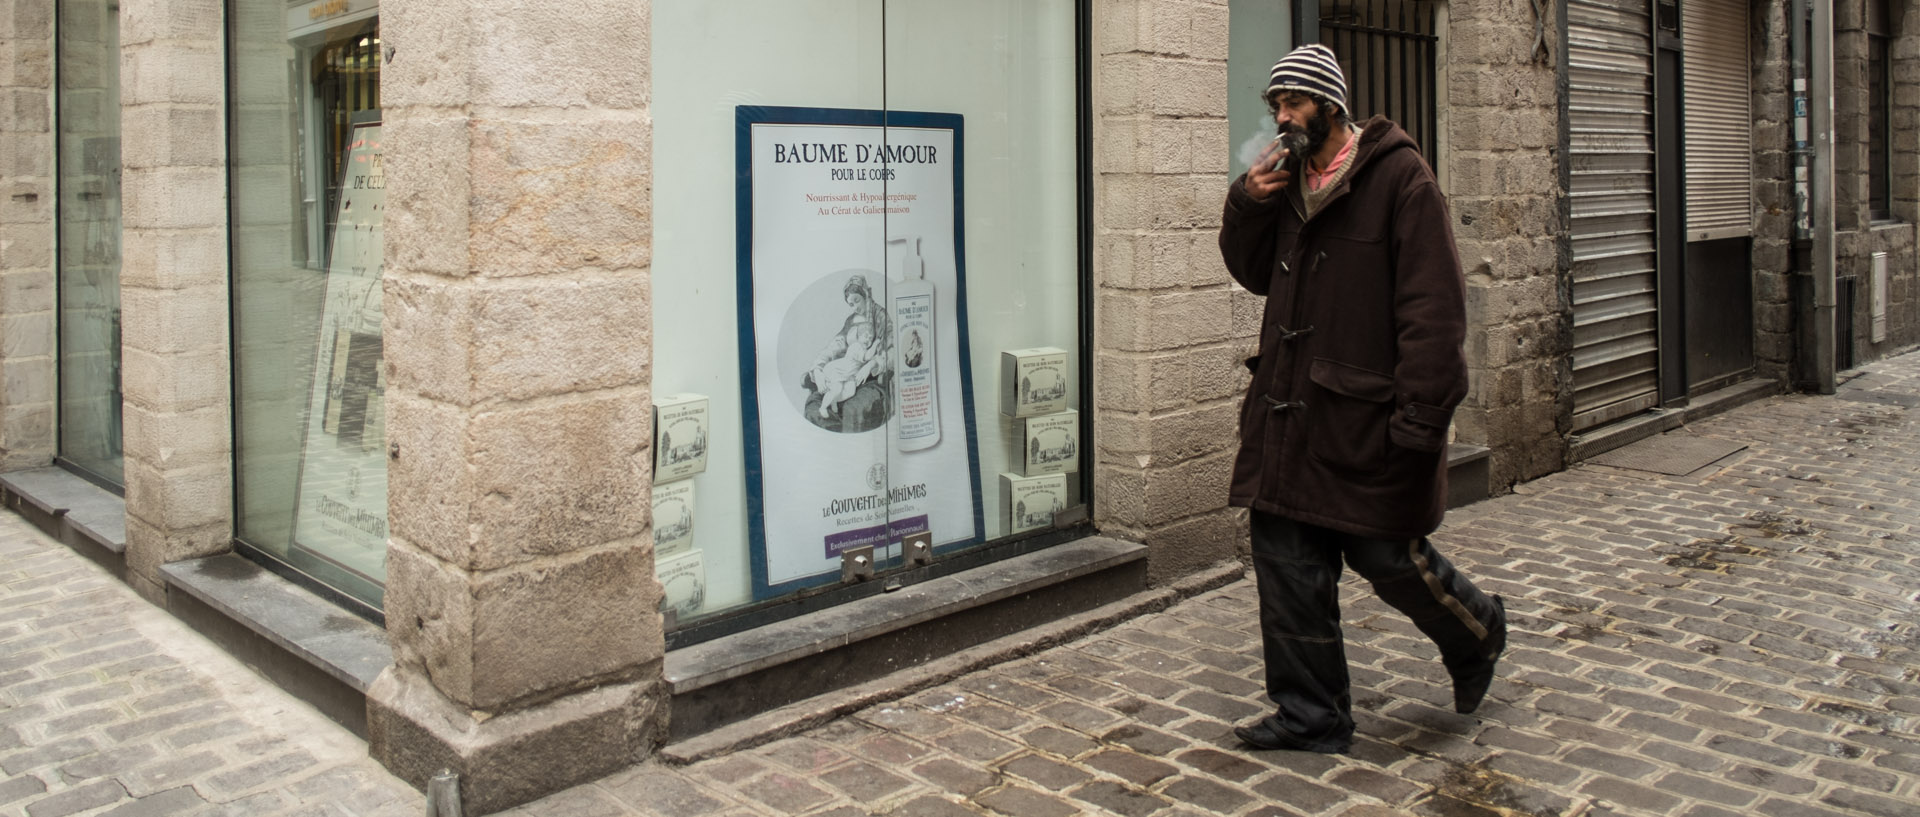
[1610,118]
[1719,125]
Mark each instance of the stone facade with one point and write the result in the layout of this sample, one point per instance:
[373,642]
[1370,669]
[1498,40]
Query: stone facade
[1170,326]
[173,286]
[1858,235]
[1774,335]
[520,596]
[1500,169]
[27,345]
[520,600]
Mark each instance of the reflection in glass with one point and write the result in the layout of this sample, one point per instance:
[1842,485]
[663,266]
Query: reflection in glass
[307,196]
[89,214]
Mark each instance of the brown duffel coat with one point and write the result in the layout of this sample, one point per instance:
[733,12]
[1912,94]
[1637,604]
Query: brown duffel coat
[1360,362]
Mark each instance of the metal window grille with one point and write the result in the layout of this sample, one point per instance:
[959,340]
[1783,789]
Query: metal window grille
[1388,50]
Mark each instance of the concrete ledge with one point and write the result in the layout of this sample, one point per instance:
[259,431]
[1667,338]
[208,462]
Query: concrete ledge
[1626,432]
[1732,397]
[83,516]
[346,647]
[308,646]
[1659,421]
[737,676]
[1469,472]
[787,720]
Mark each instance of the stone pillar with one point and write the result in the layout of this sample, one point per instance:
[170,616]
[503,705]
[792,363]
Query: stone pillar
[520,596]
[1500,170]
[26,234]
[1773,272]
[1851,204]
[173,287]
[1170,326]
[1905,55]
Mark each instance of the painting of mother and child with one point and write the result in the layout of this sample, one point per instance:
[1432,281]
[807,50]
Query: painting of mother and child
[849,387]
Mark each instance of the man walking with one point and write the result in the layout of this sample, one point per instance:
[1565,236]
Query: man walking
[1344,429]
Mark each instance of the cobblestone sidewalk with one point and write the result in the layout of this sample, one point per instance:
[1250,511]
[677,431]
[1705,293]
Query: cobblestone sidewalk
[1743,639]
[110,706]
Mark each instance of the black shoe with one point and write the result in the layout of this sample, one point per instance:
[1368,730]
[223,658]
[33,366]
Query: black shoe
[1471,681]
[1262,734]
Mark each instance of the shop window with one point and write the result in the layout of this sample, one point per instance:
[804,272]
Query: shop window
[867,291]
[89,229]
[307,194]
[1260,32]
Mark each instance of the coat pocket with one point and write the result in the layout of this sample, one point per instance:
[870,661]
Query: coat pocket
[1347,416]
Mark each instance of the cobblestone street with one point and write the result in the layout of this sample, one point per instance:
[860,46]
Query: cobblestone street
[1740,639]
[108,705]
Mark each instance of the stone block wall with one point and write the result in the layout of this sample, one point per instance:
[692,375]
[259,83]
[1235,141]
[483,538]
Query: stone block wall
[173,286]
[1500,169]
[1858,235]
[1774,343]
[1905,54]
[521,600]
[27,297]
[1170,327]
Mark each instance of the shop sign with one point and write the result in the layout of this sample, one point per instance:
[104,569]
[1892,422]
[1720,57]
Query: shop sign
[858,404]
[320,15]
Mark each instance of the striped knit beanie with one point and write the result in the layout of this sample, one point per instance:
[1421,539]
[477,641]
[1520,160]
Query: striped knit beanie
[1310,69]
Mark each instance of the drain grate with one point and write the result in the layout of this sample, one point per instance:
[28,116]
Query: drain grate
[1673,453]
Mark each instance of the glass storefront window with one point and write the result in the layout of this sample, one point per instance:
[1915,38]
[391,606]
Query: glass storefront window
[89,216]
[870,338]
[1261,29]
[306,196]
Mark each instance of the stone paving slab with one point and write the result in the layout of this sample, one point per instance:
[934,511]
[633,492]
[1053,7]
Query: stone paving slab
[110,706]
[1744,639]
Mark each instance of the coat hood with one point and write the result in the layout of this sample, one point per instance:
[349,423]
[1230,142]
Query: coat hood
[1378,137]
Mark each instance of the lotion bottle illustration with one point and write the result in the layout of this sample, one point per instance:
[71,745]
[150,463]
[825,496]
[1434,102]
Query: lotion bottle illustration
[916,380]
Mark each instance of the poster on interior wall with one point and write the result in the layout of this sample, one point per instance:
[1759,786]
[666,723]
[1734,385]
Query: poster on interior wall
[857,393]
[341,516]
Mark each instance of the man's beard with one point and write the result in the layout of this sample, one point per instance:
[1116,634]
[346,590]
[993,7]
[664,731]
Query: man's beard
[1318,128]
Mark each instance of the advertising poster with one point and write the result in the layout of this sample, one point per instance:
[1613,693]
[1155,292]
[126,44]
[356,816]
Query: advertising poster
[343,473]
[858,402]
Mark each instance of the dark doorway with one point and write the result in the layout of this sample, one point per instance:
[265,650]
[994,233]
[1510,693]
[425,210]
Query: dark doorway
[1719,293]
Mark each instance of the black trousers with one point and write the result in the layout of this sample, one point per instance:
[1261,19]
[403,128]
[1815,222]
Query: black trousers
[1297,567]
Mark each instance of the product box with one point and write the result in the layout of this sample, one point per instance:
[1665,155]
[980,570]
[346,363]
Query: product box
[1031,502]
[673,518]
[1033,381]
[1053,444]
[679,436]
[684,579]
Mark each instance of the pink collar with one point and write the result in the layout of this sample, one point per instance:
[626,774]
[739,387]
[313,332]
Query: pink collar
[1317,179]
